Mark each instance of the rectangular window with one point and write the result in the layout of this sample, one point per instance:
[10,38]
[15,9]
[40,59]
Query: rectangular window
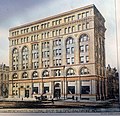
[60,62]
[46,89]
[86,48]
[71,89]
[21,31]
[83,26]
[48,53]
[73,18]
[68,60]
[87,14]
[13,92]
[65,19]
[59,41]
[85,89]
[16,92]
[57,72]
[81,59]
[57,62]
[82,48]
[54,62]
[68,50]
[79,16]
[17,66]
[56,42]
[72,50]
[13,84]
[35,90]
[72,60]
[65,30]
[87,58]
[83,15]
[59,51]
[59,31]
[73,29]
[79,27]
[87,25]
[26,65]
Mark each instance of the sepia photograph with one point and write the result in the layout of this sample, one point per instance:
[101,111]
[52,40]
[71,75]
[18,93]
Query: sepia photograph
[59,57]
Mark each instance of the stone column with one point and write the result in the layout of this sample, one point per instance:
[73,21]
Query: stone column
[40,55]
[51,52]
[76,51]
[63,46]
[65,84]
[10,90]
[20,58]
[52,88]
[30,57]
[10,59]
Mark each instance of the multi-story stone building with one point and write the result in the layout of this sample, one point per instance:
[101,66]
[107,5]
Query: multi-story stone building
[4,80]
[60,56]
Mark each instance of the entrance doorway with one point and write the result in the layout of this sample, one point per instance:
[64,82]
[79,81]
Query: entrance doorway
[57,91]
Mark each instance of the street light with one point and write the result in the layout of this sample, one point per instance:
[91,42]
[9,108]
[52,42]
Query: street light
[42,88]
[79,87]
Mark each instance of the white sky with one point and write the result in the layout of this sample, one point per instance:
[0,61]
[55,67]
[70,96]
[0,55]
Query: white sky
[18,12]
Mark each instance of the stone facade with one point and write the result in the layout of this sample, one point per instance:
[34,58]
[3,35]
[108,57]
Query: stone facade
[59,57]
[4,80]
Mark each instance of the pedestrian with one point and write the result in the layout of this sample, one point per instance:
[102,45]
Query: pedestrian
[52,101]
[76,98]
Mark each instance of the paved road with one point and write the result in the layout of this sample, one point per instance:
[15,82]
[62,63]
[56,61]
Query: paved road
[115,107]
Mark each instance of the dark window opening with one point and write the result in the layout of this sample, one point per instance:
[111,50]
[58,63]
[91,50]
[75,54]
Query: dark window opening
[71,89]
[46,89]
[85,89]
[35,90]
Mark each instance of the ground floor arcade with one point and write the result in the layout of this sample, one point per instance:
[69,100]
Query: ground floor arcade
[80,88]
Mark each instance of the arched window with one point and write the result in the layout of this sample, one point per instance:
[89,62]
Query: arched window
[84,37]
[45,73]
[70,71]
[25,75]
[69,29]
[84,48]
[69,40]
[15,51]
[25,57]
[25,49]
[70,50]
[35,74]
[15,76]
[84,71]
[15,59]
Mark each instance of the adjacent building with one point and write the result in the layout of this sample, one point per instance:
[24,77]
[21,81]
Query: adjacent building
[59,57]
[4,81]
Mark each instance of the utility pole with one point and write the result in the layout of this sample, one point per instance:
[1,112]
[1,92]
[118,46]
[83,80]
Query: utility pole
[117,44]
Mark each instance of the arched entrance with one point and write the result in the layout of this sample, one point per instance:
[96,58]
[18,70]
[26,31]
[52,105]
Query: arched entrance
[57,91]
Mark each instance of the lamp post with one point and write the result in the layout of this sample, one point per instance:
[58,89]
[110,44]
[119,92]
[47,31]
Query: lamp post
[64,80]
[79,87]
[42,88]
[32,86]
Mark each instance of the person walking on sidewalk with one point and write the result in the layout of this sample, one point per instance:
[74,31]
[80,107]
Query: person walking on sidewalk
[52,101]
